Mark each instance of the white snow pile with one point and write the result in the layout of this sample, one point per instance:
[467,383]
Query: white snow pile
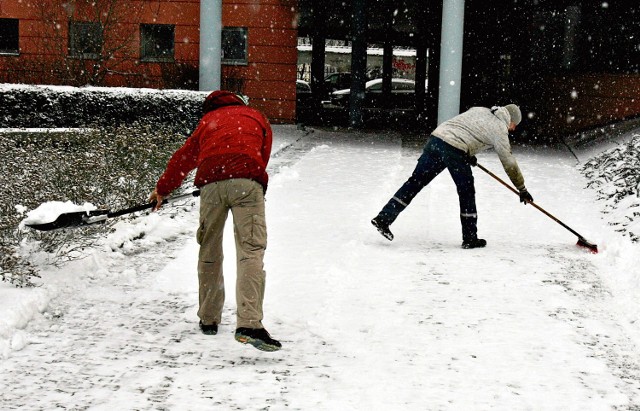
[529,322]
[615,175]
[48,212]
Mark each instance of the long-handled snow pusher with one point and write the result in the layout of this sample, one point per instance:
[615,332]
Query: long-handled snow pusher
[82,218]
[582,242]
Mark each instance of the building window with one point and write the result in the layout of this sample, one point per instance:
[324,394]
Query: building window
[85,39]
[9,36]
[157,42]
[234,45]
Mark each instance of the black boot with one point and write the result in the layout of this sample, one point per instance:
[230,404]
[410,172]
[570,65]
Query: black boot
[382,227]
[209,329]
[474,243]
[470,232]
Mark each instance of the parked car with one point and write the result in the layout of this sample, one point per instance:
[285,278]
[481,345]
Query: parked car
[337,81]
[302,87]
[304,101]
[402,94]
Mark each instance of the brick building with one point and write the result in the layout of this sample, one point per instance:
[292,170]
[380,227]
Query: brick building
[151,43]
[572,64]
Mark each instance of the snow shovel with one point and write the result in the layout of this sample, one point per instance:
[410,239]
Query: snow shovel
[582,242]
[82,218]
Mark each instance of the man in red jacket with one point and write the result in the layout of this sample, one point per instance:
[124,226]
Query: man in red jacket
[230,148]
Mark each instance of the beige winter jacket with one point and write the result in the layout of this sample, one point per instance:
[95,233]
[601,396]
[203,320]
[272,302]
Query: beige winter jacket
[478,129]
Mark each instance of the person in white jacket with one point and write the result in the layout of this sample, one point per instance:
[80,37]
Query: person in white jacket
[453,145]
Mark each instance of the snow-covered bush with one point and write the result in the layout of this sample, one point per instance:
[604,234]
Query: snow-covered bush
[14,268]
[615,175]
[113,165]
[56,106]
[111,168]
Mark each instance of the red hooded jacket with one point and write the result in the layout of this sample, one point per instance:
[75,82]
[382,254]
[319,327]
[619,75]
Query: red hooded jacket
[230,141]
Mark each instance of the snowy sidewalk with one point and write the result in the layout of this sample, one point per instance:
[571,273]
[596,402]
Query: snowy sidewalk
[530,322]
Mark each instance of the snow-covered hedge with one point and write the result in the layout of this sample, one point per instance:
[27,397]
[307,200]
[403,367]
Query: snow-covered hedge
[110,168]
[113,161]
[615,175]
[59,106]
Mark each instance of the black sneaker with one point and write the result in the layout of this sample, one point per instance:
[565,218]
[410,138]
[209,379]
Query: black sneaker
[476,243]
[209,329]
[383,228]
[258,337]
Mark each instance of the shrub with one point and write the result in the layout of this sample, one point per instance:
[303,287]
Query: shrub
[43,106]
[111,168]
[614,175]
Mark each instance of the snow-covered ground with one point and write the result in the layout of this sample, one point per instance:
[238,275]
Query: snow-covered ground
[529,322]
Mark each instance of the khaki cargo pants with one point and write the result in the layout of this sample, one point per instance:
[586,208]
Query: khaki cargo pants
[245,199]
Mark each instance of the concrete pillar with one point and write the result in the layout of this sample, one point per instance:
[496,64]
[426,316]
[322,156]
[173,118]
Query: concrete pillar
[318,42]
[572,19]
[387,73]
[210,44]
[450,59]
[421,79]
[433,43]
[387,57]
[318,58]
[358,62]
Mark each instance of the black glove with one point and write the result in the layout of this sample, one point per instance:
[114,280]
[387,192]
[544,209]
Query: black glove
[472,160]
[525,197]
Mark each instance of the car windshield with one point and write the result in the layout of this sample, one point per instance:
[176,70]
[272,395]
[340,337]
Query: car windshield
[374,85]
[396,84]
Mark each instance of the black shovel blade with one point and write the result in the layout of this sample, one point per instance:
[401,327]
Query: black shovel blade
[65,220]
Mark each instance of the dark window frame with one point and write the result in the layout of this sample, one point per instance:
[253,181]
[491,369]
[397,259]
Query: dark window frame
[86,39]
[10,44]
[154,39]
[235,46]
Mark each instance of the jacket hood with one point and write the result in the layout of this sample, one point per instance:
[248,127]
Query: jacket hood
[221,98]
[502,114]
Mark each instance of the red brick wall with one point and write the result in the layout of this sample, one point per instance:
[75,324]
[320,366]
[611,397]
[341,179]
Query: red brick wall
[268,78]
[581,102]
[272,36]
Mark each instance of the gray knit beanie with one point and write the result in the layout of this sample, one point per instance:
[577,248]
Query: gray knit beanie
[514,112]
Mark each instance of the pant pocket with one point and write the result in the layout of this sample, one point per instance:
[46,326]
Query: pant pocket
[200,233]
[253,232]
[259,231]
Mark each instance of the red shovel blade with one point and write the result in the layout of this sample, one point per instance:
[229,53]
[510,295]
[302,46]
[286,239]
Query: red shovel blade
[593,248]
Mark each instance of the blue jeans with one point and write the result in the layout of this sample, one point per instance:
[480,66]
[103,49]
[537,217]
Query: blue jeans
[436,156]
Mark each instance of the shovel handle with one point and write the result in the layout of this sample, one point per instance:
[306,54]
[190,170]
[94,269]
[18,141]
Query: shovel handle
[146,206]
[129,210]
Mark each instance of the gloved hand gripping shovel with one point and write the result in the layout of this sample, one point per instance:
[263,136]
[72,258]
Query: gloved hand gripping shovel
[82,218]
[582,242]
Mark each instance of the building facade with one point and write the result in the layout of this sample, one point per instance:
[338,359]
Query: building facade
[571,64]
[154,44]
